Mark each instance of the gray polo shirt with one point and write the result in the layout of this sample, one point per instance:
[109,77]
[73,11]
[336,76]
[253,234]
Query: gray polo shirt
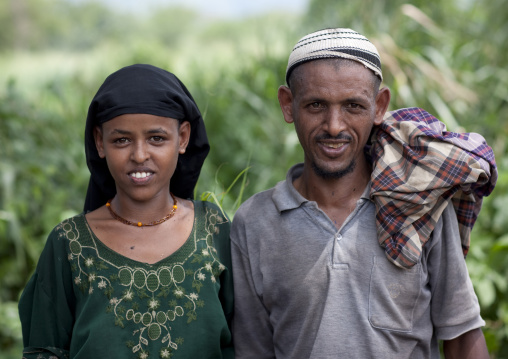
[304,289]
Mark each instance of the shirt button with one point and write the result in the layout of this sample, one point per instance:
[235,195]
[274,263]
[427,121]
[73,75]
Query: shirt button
[339,237]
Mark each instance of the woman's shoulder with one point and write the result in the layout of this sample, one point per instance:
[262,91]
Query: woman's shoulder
[60,241]
[209,209]
[69,223]
[77,220]
[67,230]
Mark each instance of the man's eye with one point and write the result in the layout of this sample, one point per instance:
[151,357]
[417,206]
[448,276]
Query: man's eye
[315,105]
[157,139]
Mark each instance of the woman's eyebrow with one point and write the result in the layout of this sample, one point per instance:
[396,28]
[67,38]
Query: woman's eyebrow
[120,131]
[157,130]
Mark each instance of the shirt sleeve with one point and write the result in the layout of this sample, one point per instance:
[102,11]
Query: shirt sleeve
[44,309]
[252,331]
[454,307]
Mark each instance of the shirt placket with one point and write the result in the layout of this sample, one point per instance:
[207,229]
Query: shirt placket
[339,253]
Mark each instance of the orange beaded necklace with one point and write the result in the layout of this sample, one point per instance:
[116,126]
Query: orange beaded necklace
[140,224]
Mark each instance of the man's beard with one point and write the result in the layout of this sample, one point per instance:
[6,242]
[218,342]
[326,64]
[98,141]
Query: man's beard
[333,174]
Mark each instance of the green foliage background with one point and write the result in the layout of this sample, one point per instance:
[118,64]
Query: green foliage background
[447,57]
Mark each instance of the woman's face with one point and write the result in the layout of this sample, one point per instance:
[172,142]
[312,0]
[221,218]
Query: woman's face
[142,151]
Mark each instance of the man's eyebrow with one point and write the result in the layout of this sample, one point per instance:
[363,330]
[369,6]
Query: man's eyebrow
[314,98]
[356,99]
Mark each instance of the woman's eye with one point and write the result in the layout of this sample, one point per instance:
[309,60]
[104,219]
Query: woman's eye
[121,140]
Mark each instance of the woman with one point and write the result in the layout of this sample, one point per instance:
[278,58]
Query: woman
[144,271]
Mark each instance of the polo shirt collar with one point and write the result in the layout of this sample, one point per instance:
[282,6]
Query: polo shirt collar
[286,197]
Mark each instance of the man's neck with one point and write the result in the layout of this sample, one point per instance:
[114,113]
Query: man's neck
[336,197]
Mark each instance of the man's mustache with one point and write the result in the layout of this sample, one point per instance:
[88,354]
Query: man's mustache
[326,136]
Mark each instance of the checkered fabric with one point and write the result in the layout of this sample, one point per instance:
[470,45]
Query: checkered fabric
[418,168]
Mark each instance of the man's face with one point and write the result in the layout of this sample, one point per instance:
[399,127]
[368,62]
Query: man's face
[333,106]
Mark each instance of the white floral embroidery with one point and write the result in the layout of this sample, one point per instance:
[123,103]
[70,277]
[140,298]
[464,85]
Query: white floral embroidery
[143,355]
[90,291]
[91,278]
[165,353]
[128,295]
[205,252]
[77,280]
[178,293]
[208,266]
[102,284]
[193,296]
[222,266]
[89,262]
[213,279]
[201,276]
[113,301]
[153,304]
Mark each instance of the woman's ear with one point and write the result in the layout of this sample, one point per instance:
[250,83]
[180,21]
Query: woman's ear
[99,141]
[184,136]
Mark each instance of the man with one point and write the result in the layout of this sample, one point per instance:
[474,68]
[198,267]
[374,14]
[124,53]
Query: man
[311,280]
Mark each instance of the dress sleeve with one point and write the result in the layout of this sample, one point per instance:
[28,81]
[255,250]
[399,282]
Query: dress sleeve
[454,309]
[252,331]
[44,307]
[226,296]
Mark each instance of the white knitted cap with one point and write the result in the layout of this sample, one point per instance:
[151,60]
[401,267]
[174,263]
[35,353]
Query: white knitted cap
[331,43]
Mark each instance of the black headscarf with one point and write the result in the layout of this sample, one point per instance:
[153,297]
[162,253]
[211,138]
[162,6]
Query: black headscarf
[144,89]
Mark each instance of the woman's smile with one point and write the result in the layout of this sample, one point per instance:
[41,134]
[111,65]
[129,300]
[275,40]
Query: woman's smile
[139,175]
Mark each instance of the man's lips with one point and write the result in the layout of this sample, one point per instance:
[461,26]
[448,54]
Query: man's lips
[333,145]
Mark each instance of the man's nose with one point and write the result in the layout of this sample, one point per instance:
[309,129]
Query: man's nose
[335,122]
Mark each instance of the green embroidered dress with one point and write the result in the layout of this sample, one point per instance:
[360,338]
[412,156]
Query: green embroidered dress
[87,301]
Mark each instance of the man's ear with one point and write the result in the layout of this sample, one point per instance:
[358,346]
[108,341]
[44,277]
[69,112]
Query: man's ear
[286,103]
[382,103]
[99,141]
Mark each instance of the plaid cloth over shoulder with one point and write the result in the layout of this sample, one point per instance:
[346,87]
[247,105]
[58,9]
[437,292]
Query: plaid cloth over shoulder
[418,167]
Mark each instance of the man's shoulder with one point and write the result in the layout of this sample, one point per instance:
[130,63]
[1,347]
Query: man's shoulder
[269,204]
[259,202]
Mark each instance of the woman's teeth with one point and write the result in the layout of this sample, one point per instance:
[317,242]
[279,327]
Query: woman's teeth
[140,174]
